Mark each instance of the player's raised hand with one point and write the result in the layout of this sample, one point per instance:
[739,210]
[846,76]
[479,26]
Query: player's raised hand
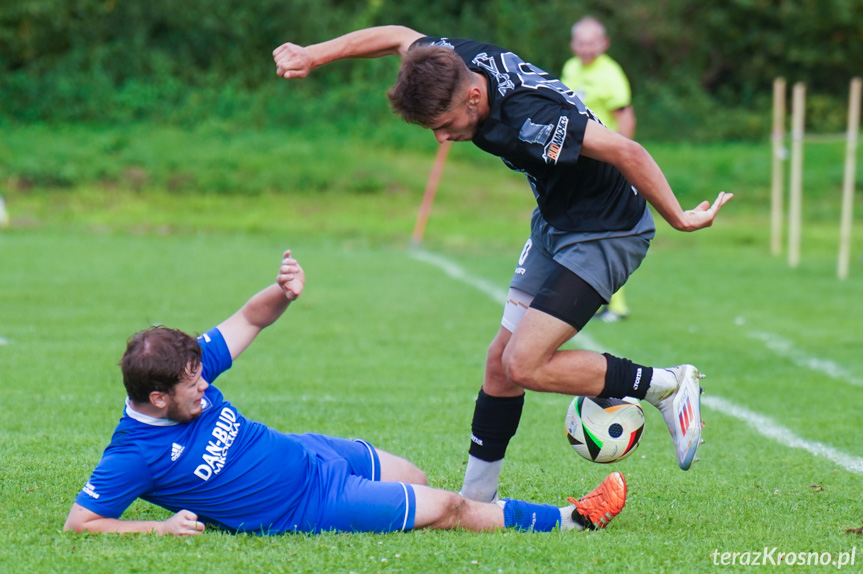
[704,214]
[292,61]
[184,523]
[291,277]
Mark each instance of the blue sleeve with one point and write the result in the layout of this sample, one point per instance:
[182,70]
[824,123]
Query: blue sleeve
[120,478]
[215,357]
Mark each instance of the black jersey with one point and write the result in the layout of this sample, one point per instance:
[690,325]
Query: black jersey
[536,126]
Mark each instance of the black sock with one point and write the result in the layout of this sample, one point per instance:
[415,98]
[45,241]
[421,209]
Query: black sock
[623,378]
[495,420]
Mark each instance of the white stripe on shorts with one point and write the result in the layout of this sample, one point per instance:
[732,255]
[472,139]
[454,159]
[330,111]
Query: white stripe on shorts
[371,454]
[407,506]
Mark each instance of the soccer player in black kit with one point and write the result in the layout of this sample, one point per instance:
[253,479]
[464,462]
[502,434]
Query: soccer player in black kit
[590,230]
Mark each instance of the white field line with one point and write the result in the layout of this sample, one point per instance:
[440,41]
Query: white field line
[3,341]
[785,348]
[771,429]
[760,423]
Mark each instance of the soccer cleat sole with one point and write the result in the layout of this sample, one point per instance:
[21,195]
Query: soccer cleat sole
[686,462]
[603,503]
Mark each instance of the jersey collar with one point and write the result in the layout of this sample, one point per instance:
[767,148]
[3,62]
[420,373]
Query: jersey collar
[147,419]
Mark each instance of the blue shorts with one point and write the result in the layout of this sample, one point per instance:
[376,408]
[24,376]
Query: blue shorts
[352,498]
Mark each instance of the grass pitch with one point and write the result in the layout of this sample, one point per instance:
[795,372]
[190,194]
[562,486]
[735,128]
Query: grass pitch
[390,348]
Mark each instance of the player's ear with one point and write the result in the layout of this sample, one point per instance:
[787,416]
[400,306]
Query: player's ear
[158,399]
[474,95]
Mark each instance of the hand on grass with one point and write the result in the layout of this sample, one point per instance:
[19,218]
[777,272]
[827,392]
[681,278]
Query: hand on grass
[184,523]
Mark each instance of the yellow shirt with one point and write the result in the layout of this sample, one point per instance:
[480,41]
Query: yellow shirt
[602,86]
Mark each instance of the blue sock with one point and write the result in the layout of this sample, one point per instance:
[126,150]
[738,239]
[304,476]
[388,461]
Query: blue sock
[523,515]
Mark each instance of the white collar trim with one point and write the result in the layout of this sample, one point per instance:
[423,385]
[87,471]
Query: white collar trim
[147,419]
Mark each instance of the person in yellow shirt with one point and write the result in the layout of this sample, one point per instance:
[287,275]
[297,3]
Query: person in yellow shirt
[600,83]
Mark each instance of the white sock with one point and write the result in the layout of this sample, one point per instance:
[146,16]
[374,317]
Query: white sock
[662,384]
[566,521]
[480,479]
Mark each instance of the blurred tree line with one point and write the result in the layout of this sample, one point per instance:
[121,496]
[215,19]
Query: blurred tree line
[699,70]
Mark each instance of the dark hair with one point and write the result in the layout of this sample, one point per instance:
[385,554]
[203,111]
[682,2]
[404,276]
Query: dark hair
[428,79]
[156,359]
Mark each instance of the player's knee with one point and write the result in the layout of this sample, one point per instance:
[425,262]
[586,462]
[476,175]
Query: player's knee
[520,371]
[451,506]
[495,350]
[494,362]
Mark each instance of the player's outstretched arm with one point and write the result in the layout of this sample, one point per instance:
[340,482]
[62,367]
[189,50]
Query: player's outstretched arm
[294,61]
[641,170]
[264,308]
[184,523]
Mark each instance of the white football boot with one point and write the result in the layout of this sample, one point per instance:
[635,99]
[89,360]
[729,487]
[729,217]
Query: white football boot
[682,413]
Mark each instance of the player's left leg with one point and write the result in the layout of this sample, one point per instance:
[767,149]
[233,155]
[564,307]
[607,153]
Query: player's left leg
[533,360]
[444,510]
[352,503]
[439,509]
[397,469]
[617,309]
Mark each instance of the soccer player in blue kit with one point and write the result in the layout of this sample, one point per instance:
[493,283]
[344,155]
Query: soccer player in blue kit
[591,228]
[182,446]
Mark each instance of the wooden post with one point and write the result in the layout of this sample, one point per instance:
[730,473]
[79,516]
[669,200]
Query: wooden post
[428,196]
[798,116]
[4,215]
[779,155]
[848,180]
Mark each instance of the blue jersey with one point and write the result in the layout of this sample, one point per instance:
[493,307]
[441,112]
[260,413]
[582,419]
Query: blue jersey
[233,472]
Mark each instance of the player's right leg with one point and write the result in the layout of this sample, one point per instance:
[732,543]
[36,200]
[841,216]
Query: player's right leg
[499,403]
[496,416]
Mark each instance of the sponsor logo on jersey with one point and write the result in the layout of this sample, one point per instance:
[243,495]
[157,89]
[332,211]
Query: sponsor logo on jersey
[88,489]
[487,63]
[216,453]
[554,146]
[176,451]
[534,133]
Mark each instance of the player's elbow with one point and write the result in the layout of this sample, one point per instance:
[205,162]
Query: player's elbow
[79,519]
[73,525]
[634,153]
[403,36]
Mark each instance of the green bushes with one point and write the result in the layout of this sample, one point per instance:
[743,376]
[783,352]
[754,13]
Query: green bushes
[699,71]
